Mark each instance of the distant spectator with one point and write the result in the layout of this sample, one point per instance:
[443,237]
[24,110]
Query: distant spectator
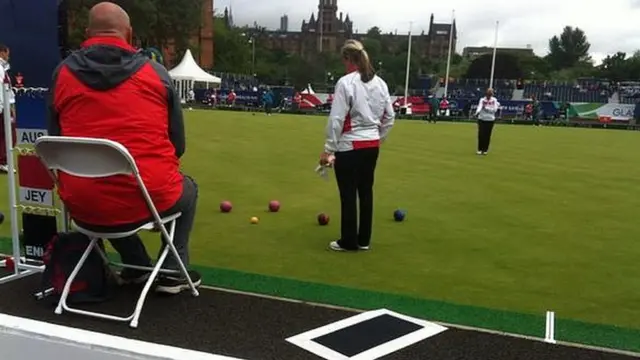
[191,96]
[528,111]
[433,108]
[444,106]
[297,99]
[535,110]
[19,81]
[231,98]
[268,100]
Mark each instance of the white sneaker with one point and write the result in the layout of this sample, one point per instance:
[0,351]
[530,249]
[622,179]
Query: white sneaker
[4,168]
[478,152]
[335,246]
[364,248]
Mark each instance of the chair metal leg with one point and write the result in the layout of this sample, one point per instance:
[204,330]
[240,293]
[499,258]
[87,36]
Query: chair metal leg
[156,271]
[183,268]
[147,287]
[62,303]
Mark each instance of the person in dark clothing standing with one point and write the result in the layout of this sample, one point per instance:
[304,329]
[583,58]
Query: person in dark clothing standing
[636,113]
[268,99]
[109,90]
[535,111]
[361,118]
[433,108]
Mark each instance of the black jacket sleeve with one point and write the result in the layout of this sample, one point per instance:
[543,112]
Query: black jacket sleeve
[53,118]
[176,120]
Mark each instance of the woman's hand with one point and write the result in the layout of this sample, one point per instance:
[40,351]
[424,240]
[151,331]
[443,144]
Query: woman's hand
[327,159]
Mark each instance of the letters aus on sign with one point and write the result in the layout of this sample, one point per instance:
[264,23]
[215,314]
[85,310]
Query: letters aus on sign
[29,136]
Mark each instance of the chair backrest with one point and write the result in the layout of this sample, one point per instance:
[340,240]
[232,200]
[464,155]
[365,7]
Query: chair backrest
[92,158]
[85,157]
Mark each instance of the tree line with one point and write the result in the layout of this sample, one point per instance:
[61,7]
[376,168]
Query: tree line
[158,23]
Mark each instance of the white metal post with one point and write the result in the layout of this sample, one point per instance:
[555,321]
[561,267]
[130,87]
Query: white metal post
[406,81]
[446,79]
[321,16]
[550,328]
[493,61]
[13,211]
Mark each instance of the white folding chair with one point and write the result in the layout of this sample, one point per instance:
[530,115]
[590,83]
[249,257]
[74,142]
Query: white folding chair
[99,158]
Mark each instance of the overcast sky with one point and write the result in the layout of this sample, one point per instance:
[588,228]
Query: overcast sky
[610,25]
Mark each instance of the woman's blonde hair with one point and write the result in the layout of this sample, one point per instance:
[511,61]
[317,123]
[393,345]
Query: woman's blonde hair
[354,52]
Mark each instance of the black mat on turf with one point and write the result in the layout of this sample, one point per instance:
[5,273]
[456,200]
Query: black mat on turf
[255,328]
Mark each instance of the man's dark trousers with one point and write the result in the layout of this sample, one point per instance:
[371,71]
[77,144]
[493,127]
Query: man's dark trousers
[131,249]
[355,173]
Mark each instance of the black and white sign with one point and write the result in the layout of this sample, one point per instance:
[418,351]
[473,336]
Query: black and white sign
[29,136]
[366,336]
[40,197]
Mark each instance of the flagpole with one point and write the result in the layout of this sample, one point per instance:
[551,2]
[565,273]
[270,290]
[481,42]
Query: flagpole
[493,61]
[321,15]
[446,79]
[406,81]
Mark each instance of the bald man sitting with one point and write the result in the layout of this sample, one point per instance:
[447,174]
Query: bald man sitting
[109,90]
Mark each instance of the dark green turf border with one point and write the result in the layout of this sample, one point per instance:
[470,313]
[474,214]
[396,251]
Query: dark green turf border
[510,322]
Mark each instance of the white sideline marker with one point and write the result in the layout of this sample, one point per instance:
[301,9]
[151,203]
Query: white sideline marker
[549,336]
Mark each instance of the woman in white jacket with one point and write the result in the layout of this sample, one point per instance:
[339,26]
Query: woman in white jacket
[488,106]
[361,117]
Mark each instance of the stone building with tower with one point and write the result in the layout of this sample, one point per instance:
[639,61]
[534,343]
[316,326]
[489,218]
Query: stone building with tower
[328,28]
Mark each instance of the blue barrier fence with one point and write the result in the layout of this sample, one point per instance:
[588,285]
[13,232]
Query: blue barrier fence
[30,29]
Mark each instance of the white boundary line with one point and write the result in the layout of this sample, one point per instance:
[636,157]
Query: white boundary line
[305,340]
[449,325]
[92,340]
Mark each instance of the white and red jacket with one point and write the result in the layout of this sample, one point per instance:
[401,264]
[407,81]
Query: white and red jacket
[361,114]
[487,109]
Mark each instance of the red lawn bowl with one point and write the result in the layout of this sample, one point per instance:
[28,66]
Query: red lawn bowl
[274,206]
[323,219]
[226,206]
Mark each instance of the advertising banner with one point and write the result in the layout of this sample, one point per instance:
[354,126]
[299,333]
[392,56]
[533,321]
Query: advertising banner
[619,112]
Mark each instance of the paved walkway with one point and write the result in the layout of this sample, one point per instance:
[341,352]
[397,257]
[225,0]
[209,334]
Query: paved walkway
[255,328]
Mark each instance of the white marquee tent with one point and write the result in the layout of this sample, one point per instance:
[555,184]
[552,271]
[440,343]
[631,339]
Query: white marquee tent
[308,90]
[187,73]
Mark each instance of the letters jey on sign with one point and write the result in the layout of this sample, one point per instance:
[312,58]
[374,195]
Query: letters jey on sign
[33,196]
